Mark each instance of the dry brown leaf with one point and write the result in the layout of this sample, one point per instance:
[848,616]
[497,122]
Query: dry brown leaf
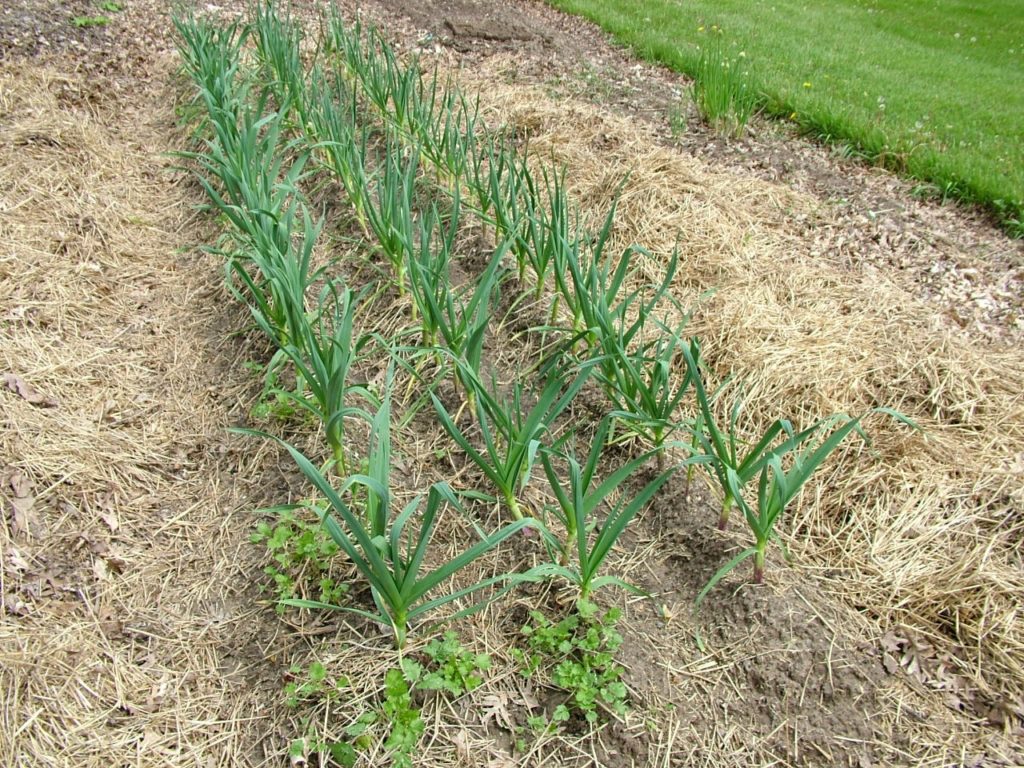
[22,500]
[495,707]
[463,748]
[13,605]
[110,625]
[27,392]
[100,569]
[108,512]
[16,560]
[889,662]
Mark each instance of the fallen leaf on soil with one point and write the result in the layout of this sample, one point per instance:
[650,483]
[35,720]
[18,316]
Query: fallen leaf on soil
[495,707]
[157,693]
[462,746]
[110,625]
[27,392]
[18,563]
[107,511]
[13,605]
[891,665]
[101,570]
[22,500]
[1002,713]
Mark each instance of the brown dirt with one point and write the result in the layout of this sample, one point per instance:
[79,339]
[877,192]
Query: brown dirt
[131,630]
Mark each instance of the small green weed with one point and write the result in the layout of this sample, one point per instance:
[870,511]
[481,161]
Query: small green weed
[274,405]
[301,552]
[111,6]
[341,753]
[406,722]
[450,669]
[677,121]
[310,685]
[582,647]
[455,671]
[90,21]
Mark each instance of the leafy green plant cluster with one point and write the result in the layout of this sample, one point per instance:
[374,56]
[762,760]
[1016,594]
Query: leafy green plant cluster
[579,654]
[310,684]
[107,6]
[451,668]
[447,667]
[397,710]
[723,89]
[301,553]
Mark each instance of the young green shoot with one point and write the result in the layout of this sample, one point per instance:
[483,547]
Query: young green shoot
[578,501]
[512,433]
[458,318]
[390,205]
[323,351]
[643,384]
[392,563]
[781,446]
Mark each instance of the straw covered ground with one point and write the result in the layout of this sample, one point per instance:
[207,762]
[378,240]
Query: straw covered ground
[133,630]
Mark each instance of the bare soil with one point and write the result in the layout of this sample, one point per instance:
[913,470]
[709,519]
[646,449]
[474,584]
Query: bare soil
[132,627]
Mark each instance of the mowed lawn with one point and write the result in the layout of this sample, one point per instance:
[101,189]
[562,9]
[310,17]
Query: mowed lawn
[932,88]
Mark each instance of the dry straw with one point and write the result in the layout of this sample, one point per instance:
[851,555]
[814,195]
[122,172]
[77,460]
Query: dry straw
[922,533]
[119,642]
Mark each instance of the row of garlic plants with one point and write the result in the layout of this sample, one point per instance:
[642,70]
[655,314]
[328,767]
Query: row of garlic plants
[391,137]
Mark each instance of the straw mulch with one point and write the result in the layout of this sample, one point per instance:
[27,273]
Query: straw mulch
[125,638]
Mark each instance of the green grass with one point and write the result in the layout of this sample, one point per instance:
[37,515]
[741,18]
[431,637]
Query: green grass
[933,90]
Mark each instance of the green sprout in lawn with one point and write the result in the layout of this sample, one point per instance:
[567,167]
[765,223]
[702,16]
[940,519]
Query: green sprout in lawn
[723,90]
[301,554]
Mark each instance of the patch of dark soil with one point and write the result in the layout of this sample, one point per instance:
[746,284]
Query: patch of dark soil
[796,684]
[810,687]
[34,27]
[684,518]
[468,24]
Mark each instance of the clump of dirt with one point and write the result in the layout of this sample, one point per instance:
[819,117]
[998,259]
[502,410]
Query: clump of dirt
[469,24]
[33,27]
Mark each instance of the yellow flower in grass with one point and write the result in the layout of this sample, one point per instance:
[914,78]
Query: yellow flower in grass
[806,84]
